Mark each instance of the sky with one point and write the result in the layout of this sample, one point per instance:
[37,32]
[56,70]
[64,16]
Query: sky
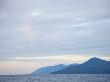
[36,33]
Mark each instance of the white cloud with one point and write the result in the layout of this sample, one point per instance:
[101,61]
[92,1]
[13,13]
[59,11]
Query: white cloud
[63,58]
[36,13]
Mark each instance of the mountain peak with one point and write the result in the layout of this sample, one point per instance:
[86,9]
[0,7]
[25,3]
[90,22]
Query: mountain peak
[92,66]
[94,60]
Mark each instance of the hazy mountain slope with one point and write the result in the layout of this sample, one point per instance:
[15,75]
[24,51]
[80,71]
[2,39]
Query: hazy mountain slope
[49,69]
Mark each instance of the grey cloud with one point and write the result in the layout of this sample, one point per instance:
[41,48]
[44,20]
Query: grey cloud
[59,27]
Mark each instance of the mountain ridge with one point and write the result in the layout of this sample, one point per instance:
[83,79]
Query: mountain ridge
[92,66]
[48,69]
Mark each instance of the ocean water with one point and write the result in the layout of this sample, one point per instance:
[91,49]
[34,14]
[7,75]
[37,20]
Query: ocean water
[57,78]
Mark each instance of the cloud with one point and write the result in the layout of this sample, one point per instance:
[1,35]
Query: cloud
[54,27]
[36,13]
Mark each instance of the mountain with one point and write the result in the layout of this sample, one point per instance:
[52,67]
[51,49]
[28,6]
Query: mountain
[92,66]
[49,69]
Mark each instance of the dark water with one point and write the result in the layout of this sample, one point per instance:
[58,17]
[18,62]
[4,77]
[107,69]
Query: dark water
[57,78]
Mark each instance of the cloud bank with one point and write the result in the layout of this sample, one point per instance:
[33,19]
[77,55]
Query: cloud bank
[53,27]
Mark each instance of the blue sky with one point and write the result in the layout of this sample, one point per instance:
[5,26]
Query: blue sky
[53,30]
